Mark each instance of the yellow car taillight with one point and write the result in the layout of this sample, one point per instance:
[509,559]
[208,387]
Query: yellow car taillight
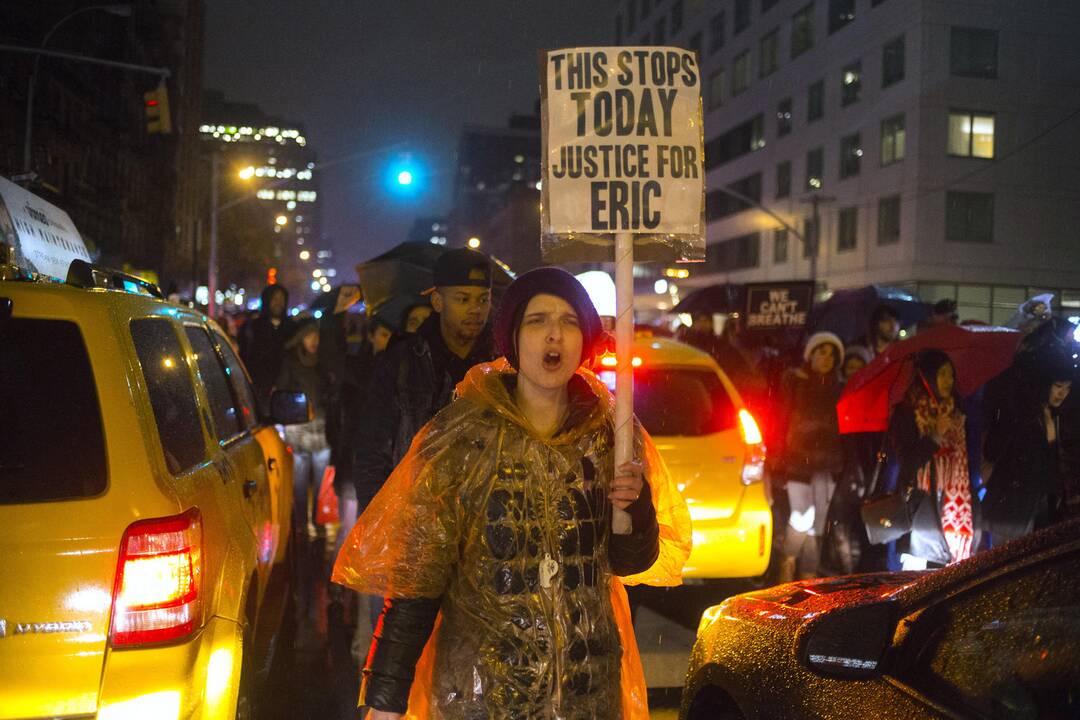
[156,597]
[608,360]
[751,433]
[754,458]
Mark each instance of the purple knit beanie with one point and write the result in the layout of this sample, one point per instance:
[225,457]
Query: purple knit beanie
[550,281]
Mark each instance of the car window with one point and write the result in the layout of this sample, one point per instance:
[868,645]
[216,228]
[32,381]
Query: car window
[49,400]
[244,393]
[1009,648]
[172,394]
[228,418]
[680,401]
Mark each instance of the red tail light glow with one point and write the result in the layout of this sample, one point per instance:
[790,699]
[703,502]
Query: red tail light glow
[157,595]
[754,460]
[609,360]
[751,433]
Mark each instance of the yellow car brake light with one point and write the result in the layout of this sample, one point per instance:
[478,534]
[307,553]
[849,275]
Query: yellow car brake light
[609,360]
[750,431]
[157,593]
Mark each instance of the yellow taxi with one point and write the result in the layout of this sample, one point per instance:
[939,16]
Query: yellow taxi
[713,447]
[144,506]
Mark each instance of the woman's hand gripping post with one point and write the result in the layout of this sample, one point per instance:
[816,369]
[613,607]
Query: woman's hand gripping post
[627,486]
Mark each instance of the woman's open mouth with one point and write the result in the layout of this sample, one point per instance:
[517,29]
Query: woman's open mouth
[552,360]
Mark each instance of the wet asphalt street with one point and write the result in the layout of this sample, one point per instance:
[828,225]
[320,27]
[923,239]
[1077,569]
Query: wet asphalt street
[317,678]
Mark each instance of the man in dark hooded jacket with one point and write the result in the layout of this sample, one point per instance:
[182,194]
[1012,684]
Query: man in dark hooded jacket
[415,377]
[262,340]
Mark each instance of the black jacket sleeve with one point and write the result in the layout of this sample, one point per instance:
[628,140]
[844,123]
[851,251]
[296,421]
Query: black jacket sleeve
[637,551]
[373,432]
[404,629]
[1001,435]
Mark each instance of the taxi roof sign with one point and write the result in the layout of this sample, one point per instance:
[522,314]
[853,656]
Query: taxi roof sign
[43,236]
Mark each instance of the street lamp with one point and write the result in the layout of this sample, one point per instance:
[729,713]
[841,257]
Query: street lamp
[474,242]
[247,173]
[305,255]
[118,9]
[281,220]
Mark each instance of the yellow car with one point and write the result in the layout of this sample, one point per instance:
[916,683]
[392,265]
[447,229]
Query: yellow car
[144,507]
[713,447]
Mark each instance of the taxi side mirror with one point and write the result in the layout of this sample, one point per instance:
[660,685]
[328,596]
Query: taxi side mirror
[290,408]
[850,642]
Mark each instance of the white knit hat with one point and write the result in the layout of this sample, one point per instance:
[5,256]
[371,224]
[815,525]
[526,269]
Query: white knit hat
[819,338]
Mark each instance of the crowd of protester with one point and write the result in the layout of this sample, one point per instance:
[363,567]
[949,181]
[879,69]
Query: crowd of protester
[987,468]
[978,470]
[982,469]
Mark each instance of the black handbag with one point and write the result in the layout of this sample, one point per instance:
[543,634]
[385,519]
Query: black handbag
[888,517]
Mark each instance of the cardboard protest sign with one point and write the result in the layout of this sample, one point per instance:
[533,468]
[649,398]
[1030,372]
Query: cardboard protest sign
[778,306]
[43,235]
[622,153]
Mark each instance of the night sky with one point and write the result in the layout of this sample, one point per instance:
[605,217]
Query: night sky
[367,75]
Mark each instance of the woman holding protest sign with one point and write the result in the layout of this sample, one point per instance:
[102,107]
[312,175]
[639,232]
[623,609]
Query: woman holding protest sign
[492,539]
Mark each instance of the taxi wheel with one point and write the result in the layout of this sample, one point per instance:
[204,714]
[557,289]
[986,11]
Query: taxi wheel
[712,703]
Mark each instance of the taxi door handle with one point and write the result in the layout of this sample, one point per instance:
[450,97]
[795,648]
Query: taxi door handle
[271,464]
[250,486]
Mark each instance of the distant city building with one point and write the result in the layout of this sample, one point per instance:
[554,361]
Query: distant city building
[939,140]
[133,195]
[267,160]
[497,191]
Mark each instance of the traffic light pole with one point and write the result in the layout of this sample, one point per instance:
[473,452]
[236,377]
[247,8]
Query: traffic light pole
[38,53]
[813,245]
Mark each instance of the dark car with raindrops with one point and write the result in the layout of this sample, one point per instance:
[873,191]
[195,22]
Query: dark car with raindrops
[995,636]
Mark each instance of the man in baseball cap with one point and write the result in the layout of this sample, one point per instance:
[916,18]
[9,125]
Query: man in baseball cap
[415,378]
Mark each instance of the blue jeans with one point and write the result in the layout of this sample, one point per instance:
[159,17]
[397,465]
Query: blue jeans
[308,469]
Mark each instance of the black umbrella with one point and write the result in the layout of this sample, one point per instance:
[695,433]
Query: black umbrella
[712,299]
[407,270]
[847,312]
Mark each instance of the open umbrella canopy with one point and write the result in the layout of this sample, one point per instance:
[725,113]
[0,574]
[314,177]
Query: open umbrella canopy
[978,353]
[404,270]
[847,312]
[711,299]
[407,270]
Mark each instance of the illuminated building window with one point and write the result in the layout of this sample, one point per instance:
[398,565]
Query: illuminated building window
[971,134]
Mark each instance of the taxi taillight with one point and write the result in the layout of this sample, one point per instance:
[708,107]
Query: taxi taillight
[751,433]
[754,458]
[608,360]
[157,594]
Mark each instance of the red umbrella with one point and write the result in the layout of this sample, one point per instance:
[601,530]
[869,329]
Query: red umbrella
[978,352]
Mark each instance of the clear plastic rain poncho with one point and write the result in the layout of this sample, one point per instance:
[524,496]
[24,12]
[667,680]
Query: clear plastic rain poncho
[475,514]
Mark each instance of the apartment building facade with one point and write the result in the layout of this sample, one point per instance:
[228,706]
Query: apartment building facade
[937,142]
